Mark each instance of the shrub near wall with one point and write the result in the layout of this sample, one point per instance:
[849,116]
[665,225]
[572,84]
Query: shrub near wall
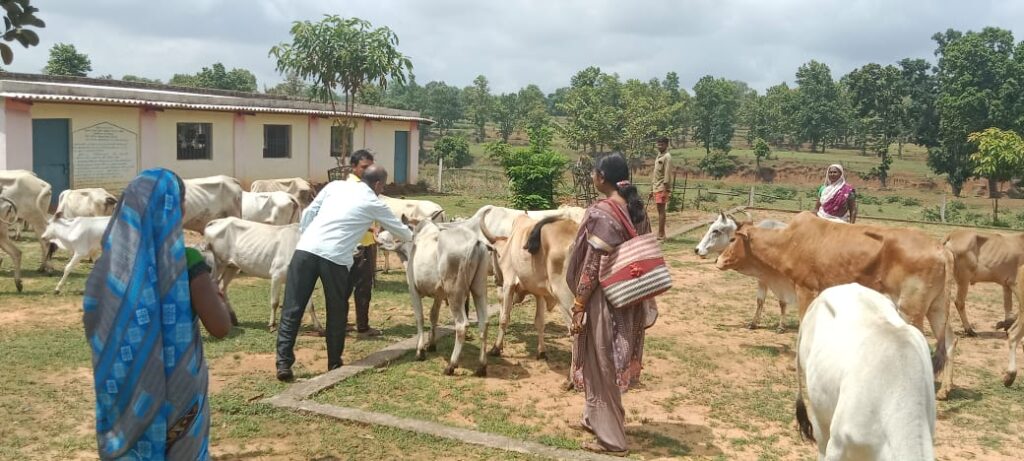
[533,172]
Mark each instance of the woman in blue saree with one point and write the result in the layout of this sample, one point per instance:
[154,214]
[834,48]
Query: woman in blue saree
[141,306]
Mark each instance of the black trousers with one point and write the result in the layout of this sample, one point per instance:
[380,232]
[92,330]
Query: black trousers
[303,273]
[360,284]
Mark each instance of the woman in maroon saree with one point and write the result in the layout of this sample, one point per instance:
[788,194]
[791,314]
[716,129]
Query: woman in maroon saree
[608,342]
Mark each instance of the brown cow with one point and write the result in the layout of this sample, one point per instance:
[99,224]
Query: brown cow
[533,261]
[905,264]
[992,258]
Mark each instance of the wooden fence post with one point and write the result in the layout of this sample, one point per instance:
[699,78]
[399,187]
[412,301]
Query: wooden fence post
[440,166]
[683,203]
[942,209]
[750,199]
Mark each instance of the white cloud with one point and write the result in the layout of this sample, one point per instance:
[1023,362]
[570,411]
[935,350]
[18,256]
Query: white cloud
[515,43]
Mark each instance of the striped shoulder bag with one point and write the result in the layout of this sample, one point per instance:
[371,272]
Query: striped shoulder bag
[636,270]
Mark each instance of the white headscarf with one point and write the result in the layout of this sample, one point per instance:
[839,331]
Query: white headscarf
[831,189]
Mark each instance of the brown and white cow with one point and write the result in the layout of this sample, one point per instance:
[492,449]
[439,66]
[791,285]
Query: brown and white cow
[210,198]
[31,196]
[907,265]
[299,188]
[992,258]
[86,203]
[533,261]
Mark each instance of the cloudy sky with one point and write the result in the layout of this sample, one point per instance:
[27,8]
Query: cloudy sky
[517,42]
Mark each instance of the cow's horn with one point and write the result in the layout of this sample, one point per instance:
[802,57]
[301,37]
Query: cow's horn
[483,228]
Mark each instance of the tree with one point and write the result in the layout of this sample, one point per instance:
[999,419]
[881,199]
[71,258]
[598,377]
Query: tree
[478,103]
[135,78]
[761,152]
[975,80]
[592,105]
[454,150]
[648,115]
[293,86]
[714,107]
[66,60]
[443,104]
[717,164]
[1000,157]
[533,106]
[532,172]
[219,78]
[876,95]
[818,107]
[18,16]
[343,54]
[508,114]
[780,103]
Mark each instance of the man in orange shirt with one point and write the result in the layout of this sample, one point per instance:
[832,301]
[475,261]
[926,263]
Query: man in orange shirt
[659,182]
[364,264]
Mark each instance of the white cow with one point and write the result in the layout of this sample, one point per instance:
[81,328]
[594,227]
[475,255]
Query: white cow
[260,250]
[211,198]
[9,217]
[717,238]
[415,210]
[277,208]
[89,202]
[83,236]
[868,376]
[31,196]
[299,188]
[447,265]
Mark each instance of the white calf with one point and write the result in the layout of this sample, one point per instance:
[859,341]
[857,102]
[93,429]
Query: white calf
[868,376]
[259,250]
[717,238]
[83,236]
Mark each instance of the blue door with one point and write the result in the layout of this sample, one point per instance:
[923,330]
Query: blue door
[401,157]
[51,153]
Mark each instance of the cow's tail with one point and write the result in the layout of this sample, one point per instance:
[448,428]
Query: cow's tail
[803,420]
[945,297]
[533,242]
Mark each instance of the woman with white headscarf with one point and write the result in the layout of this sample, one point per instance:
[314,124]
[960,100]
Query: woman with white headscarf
[836,197]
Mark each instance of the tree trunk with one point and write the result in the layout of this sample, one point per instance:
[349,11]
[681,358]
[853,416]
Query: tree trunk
[957,188]
[995,210]
[899,149]
[993,188]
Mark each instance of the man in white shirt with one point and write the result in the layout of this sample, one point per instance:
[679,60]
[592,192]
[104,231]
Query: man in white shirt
[363,270]
[332,226]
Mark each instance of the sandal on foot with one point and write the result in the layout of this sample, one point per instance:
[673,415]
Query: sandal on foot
[596,447]
[581,426]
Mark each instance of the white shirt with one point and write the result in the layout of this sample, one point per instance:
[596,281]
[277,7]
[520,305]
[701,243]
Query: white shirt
[333,225]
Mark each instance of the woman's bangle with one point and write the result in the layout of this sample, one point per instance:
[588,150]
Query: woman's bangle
[578,306]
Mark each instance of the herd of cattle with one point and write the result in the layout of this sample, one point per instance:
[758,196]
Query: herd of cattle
[808,262]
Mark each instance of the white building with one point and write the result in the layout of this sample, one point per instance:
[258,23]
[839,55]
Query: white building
[82,132]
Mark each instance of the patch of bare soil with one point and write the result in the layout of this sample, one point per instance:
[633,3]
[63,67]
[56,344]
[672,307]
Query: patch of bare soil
[49,315]
[228,369]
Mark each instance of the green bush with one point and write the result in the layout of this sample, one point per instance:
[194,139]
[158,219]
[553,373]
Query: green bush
[864,199]
[454,150]
[901,200]
[533,172]
[718,164]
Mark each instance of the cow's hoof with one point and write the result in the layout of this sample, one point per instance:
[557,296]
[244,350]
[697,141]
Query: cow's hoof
[481,371]
[56,292]
[780,330]
[752,326]
[421,355]
[970,333]
[542,355]
[449,370]
[494,352]
[1009,377]
[234,318]
[271,327]
[942,394]
[432,348]
[1005,324]
[18,285]
[568,385]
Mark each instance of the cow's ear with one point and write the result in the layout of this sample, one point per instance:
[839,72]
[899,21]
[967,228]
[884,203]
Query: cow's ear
[58,215]
[721,216]
[405,219]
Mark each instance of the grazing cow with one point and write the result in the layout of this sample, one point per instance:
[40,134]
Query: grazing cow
[260,250]
[276,208]
[868,379]
[905,264]
[447,264]
[299,188]
[993,258]
[717,238]
[979,257]
[83,236]
[211,198]
[31,196]
[415,210]
[9,217]
[84,203]
[533,261]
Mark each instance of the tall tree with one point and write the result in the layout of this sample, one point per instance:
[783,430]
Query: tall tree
[218,77]
[974,74]
[508,114]
[1000,157]
[443,104]
[594,109]
[18,16]
[714,107]
[478,103]
[877,99]
[647,114]
[66,60]
[534,106]
[818,99]
[679,125]
[780,102]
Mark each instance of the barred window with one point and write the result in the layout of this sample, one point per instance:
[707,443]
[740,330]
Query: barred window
[277,141]
[195,141]
[338,134]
